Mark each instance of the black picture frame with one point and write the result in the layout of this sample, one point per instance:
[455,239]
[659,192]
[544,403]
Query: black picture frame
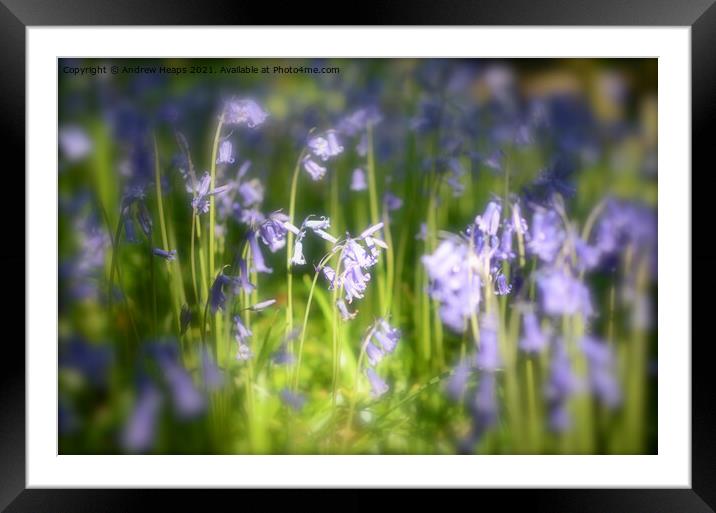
[16,15]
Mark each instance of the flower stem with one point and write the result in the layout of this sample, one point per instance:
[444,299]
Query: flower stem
[289,243]
[212,201]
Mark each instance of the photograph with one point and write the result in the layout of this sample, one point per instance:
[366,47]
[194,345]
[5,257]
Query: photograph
[357,256]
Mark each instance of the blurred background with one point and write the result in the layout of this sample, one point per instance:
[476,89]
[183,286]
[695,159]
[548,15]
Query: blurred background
[152,360]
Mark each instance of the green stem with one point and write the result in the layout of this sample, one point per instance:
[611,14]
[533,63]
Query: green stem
[289,243]
[212,207]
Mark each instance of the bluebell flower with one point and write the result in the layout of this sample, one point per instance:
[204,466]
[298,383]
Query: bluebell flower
[457,383]
[489,221]
[602,371]
[358,120]
[326,145]
[186,398]
[200,201]
[226,153]
[245,111]
[74,142]
[561,384]
[242,335]
[292,399]
[533,339]
[358,181]
[298,258]
[256,255]
[263,305]
[244,282]
[562,294]
[316,171]
[346,315]
[454,282]
[211,374]
[588,257]
[217,297]
[377,384]
[169,256]
[144,219]
[317,224]
[251,193]
[488,355]
[374,353]
[386,335]
[547,236]
[273,230]
[483,406]
[140,430]
[501,286]
[391,201]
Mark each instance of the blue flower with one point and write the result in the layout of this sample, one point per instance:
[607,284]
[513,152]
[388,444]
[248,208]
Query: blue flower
[292,399]
[169,256]
[358,181]
[316,171]
[256,255]
[602,371]
[562,294]
[240,112]
[186,398]
[74,142]
[377,384]
[226,153]
[251,193]
[325,146]
[561,384]
[374,353]
[346,315]
[217,298]
[213,378]
[547,235]
[489,221]
[386,335]
[488,355]
[200,201]
[533,339]
[140,430]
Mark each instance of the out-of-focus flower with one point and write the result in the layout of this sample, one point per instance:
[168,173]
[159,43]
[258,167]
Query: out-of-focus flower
[244,112]
[453,282]
[488,355]
[186,398]
[391,201]
[326,145]
[226,153]
[258,257]
[346,315]
[377,384]
[315,170]
[562,294]
[386,335]
[533,339]
[140,430]
[169,256]
[251,193]
[292,399]
[458,380]
[358,181]
[547,236]
[489,221]
[561,384]
[74,142]
[213,378]
[602,371]
[262,305]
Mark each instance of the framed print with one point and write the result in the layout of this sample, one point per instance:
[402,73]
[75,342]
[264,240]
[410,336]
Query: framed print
[449,255]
